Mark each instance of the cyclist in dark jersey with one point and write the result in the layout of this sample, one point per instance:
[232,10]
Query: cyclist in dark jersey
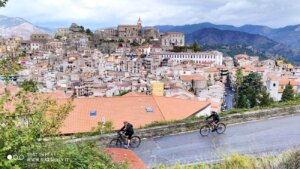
[215,120]
[128,132]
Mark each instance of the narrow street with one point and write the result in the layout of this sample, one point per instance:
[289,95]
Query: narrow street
[229,96]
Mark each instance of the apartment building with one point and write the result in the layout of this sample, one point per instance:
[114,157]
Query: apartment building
[212,57]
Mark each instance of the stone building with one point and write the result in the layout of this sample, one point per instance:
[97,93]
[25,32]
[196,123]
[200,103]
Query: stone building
[130,31]
[62,32]
[41,38]
[108,33]
[76,28]
[151,33]
[171,39]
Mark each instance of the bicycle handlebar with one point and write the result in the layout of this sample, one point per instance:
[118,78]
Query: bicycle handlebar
[120,132]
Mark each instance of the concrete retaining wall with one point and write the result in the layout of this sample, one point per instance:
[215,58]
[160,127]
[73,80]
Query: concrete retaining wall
[184,127]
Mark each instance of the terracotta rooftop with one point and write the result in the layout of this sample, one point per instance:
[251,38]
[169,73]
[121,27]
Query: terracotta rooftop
[192,77]
[210,69]
[139,110]
[290,77]
[12,89]
[174,33]
[135,94]
[272,76]
[250,68]
[284,82]
[56,94]
[126,156]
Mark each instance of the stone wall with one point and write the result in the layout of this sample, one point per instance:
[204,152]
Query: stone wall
[184,127]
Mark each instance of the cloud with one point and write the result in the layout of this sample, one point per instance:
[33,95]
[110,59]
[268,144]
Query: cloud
[104,13]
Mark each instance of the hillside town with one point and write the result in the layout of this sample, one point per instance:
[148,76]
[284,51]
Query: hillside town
[135,73]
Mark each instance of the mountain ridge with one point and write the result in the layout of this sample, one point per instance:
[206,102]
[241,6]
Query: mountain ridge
[288,35]
[213,36]
[263,45]
[17,26]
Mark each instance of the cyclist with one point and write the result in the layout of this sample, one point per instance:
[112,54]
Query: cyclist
[215,120]
[128,132]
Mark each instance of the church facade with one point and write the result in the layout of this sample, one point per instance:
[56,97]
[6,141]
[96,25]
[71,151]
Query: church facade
[124,32]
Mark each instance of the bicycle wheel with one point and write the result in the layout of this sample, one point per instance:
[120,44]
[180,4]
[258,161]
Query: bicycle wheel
[221,128]
[115,143]
[205,130]
[135,141]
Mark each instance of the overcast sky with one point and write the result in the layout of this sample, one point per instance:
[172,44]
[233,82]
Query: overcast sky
[107,13]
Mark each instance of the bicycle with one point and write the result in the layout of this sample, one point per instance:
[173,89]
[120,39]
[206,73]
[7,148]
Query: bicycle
[121,140]
[206,129]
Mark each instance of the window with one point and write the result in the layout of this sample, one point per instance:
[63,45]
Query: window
[149,109]
[93,113]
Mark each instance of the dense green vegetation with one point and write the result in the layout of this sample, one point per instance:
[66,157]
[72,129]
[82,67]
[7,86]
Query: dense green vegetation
[182,48]
[89,32]
[28,124]
[250,92]
[29,86]
[9,66]
[288,93]
[57,37]
[122,93]
[3,3]
[196,47]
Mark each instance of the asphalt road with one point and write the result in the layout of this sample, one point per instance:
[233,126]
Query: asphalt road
[229,97]
[259,137]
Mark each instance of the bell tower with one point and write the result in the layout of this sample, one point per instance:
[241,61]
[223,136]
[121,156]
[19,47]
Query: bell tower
[139,26]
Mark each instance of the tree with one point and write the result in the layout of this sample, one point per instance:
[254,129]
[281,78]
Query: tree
[287,93]
[89,32]
[28,124]
[8,67]
[196,47]
[241,102]
[181,48]
[134,43]
[29,86]
[82,30]
[265,99]
[122,93]
[251,92]
[239,78]
[57,37]
[3,3]
[238,82]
